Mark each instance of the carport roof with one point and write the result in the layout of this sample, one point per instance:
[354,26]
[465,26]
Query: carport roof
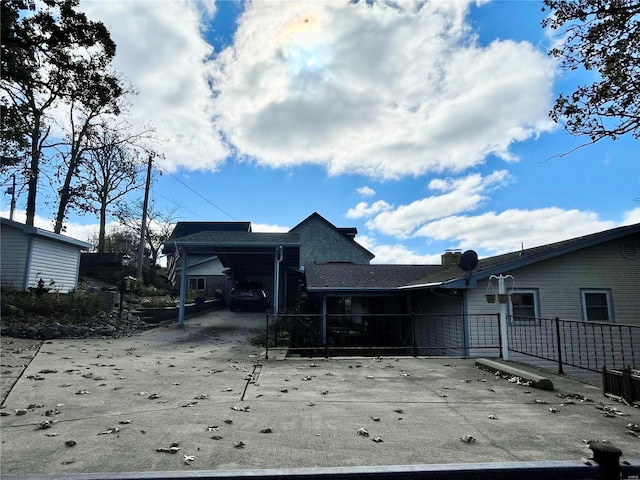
[229,238]
[182,229]
[246,253]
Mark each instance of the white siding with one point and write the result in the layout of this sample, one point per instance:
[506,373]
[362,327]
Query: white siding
[560,279]
[558,282]
[13,259]
[212,267]
[51,260]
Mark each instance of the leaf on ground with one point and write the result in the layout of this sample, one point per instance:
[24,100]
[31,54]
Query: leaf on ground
[168,449]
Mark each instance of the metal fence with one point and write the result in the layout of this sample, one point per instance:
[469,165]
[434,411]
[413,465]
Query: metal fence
[586,345]
[401,334]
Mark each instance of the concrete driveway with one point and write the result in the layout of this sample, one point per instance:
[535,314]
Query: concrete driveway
[203,392]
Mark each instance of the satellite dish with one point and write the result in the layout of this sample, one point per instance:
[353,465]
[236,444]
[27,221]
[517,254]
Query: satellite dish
[468,261]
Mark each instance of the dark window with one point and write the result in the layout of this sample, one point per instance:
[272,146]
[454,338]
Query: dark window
[523,306]
[596,306]
[197,284]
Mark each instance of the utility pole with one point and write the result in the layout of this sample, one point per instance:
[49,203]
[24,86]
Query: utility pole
[144,220]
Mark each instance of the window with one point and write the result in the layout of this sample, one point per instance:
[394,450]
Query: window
[524,306]
[596,305]
[197,284]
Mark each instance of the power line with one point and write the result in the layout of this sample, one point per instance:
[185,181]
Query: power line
[156,194]
[201,196]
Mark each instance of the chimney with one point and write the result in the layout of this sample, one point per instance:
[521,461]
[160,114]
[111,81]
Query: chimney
[451,257]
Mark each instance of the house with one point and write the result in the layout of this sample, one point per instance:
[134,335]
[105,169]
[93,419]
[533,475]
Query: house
[275,259]
[28,254]
[586,279]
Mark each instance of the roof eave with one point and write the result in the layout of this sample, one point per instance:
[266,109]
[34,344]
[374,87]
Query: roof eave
[419,286]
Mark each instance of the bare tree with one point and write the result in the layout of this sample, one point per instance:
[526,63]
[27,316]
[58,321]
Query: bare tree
[160,224]
[51,55]
[112,171]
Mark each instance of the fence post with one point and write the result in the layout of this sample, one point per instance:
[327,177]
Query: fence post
[608,457]
[559,346]
[500,334]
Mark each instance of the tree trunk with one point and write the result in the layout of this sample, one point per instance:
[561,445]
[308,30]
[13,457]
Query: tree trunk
[103,226]
[65,191]
[33,188]
[65,196]
[34,171]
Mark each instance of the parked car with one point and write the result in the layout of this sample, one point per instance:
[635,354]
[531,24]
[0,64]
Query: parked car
[248,295]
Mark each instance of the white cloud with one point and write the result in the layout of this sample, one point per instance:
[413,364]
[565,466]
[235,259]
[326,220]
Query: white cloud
[379,90]
[85,233]
[459,195]
[363,209]
[366,191]
[400,254]
[268,228]
[632,217]
[160,48]
[396,253]
[509,230]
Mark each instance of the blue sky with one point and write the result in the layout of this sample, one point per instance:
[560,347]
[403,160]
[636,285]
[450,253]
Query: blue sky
[424,126]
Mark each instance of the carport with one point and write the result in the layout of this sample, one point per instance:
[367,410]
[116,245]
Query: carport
[243,253]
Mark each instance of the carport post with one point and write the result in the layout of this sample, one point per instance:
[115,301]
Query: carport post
[323,326]
[276,280]
[183,286]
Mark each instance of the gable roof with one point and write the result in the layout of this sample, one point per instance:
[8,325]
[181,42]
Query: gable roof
[183,229]
[347,232]
[39,232]
[513,260]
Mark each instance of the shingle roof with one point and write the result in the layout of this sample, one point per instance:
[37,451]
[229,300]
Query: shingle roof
[217,238]
[510,261]
[341,276]
[393,277]
[183,229]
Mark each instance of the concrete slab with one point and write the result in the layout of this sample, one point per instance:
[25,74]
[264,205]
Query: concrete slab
[525,375]
[204,387]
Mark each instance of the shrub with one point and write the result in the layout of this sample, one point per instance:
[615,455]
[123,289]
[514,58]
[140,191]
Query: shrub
[70,307]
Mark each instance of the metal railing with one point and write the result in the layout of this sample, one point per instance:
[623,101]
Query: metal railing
[396,334]
[605,469]
[586,345]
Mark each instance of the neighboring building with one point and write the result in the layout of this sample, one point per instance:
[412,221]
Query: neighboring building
[206,276]
[28,254]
